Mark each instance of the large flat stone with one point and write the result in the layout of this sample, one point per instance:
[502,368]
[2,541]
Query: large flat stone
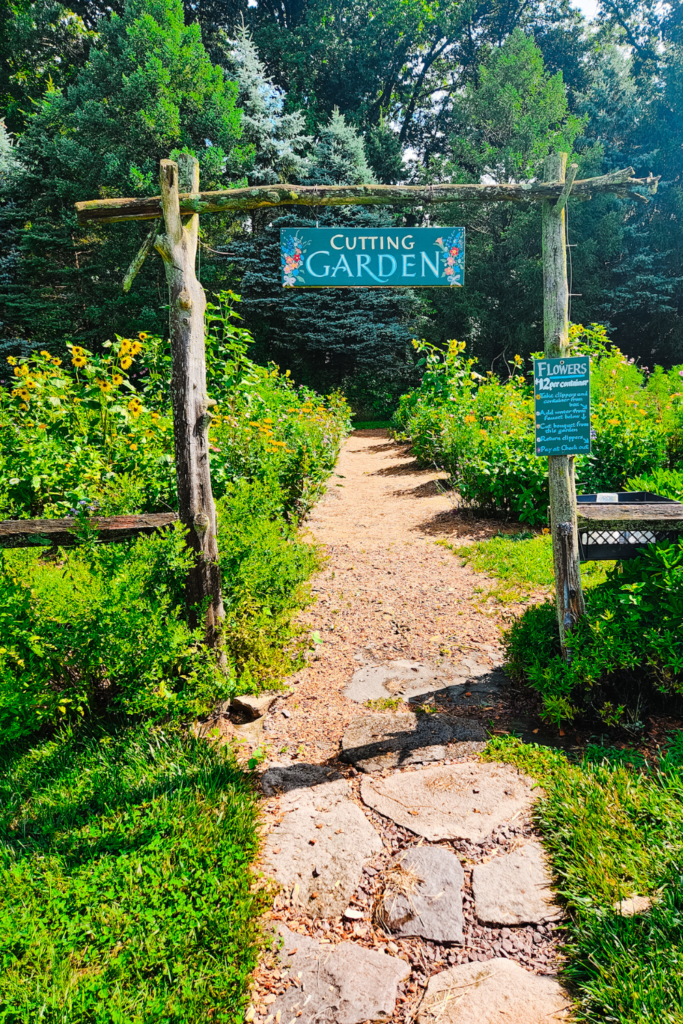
[406,679]
[493,992]
[318,849]
[423,895]
[515,889]
[377,741]
[347,984]
[457,801]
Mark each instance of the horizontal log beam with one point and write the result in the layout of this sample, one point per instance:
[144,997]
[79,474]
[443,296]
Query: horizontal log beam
[25,533]
[109,211]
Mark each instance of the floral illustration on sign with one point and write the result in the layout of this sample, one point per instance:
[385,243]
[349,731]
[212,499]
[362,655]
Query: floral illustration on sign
[292,259]
[453,256]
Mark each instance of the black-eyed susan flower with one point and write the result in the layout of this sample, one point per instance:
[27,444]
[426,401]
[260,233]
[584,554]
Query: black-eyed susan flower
[117,379]
[126,361]
[12,361]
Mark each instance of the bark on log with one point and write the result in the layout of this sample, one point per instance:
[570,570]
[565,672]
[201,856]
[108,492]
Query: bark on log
[108,211]
[191,417]
[25,533]
[570,603]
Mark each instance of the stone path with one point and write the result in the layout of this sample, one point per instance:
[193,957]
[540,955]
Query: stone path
[412,886]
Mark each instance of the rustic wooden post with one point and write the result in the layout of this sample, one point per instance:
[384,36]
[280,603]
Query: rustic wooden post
[570,603]
[191,416]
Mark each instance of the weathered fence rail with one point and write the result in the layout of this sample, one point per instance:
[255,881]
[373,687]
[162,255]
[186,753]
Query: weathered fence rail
[24,533]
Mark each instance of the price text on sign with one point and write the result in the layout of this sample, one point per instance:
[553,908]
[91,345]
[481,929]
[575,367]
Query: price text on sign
[562,406]
[372,257]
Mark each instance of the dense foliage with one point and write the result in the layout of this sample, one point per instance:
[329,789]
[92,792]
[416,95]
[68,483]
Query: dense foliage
[480,428]
[613,826]
[104,626]
[628,644]
[94,93]
[126,892]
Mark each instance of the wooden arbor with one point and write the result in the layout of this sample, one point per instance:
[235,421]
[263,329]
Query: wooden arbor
[177,244]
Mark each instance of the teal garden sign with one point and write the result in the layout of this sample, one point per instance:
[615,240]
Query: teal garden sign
[372,257]
[562,405]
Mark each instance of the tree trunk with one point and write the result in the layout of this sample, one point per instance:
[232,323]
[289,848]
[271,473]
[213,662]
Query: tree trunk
[570,603]
[191,417]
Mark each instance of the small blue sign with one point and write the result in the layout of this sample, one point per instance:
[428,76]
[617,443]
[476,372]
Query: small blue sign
[372,257]
[562,405]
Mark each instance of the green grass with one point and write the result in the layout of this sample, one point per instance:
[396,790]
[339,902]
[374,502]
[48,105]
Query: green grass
[613,831]
[125,889]
[523,562]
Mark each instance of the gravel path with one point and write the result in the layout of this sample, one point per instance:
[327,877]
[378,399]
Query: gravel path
[389,592]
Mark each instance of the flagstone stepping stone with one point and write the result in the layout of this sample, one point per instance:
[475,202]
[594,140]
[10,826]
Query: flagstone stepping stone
[406,679]
[376,741]
[318,848]
[423,895]
[493,992]
[633,905]
[456,801]
[344,984]
[515,888]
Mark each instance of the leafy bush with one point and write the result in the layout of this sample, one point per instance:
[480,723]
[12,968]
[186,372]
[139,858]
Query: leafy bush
[480,429]
[125,889]
[629,640]
[668,483]
[102,430]
[104,626]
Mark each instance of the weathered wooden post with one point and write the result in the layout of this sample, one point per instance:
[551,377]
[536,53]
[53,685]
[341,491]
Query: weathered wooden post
[570,603]
[191,404]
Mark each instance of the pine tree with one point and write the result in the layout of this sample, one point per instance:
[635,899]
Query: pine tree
[147,89]
[357,338]
[278,139]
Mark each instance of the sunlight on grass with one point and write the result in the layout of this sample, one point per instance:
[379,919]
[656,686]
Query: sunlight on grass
[613,831]
[523,562]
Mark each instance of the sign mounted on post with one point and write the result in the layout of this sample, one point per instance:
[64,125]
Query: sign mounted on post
[562,405]
[372,257]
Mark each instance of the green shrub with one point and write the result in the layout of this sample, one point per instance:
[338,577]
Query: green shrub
[668,483]
[102,628]
[480,429]
[125,890]
[630,640]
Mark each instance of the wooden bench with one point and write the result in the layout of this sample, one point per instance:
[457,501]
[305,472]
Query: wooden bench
[621,528]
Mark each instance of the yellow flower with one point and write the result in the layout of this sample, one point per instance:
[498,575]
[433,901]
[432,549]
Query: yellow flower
[42,426]
[79,361]
[25,407]
[483,433]
[45,355]
[57,362]
[643,412]
[614,422]
[155,417]
[77,351]
[117,379]
[12,361]
[133,447]
[143,335]
[470,419]
[518,360]
[489,418]
[126,362]
[125,346]
[104,385]
[135,348]
[17,371]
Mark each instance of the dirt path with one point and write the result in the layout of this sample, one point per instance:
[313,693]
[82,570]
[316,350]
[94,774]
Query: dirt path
[396,609]
[388,590]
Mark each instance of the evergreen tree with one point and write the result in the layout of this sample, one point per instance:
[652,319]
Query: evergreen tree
[358,338]
[277,139]
[147,89]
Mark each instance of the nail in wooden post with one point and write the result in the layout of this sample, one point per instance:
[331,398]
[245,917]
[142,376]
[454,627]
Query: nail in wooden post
[570,603]
[178,249]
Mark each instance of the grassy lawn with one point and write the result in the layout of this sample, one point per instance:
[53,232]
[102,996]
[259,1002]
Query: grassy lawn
[613,830]
[523,562]
[126,890]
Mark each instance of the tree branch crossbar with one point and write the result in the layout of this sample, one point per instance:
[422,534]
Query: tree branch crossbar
[110,211]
